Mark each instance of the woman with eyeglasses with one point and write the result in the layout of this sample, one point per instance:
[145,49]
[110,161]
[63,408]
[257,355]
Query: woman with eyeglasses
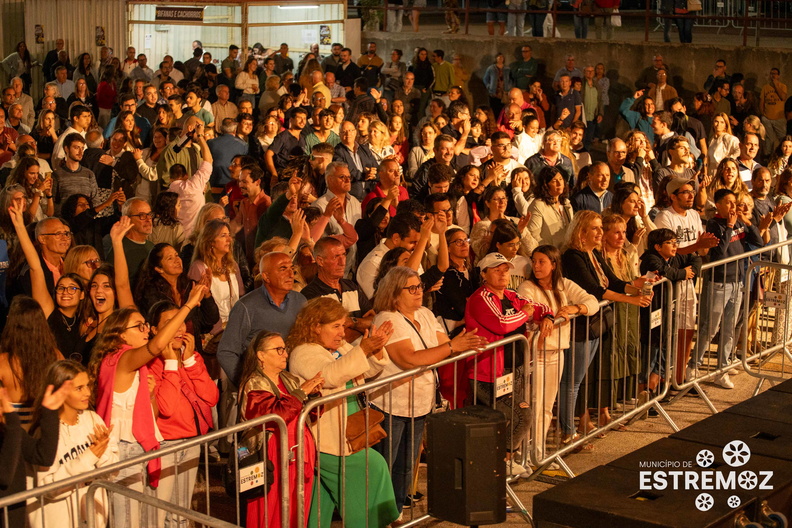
[123,396]
[62,308]
[417,340]
[82,261]
[317,347]
[87,227]
[268,388]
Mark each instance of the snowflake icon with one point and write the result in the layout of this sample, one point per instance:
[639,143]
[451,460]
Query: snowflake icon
[736,453]
[747,480]
[734,501]
[705,458]
[704,502]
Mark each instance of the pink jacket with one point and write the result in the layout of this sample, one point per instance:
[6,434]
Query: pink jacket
[143,417]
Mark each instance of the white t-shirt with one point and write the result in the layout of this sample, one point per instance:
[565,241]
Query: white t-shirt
[398,400]
[687,228]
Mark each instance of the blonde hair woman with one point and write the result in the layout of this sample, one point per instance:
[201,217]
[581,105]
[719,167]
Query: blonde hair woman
[723,143]
[357,484]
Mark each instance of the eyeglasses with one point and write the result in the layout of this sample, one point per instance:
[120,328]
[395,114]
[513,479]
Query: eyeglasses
[684,192]
[59,234]
[142,216]
[345,178]
[415,288]
[66,289]
[280,350]
[461,241]
[93,263]
[142,326]
[503,199]
[443,211]
[502,145]
[511,245]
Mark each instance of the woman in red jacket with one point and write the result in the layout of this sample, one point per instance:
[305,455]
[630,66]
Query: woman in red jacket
[497,312]
[185,395]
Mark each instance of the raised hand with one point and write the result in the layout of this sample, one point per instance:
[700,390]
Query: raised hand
[196,294]
[54,400]
[523,223]
[332,205]
[17,215]
[120,228]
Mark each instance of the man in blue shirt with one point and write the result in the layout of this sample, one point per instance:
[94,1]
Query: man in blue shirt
[273,307]
[224,148]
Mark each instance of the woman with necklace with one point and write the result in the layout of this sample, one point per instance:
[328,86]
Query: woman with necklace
[84,444]
[214,252]
[63,313]
[550,212]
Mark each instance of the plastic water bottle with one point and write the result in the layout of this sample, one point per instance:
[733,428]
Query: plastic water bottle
[647,287]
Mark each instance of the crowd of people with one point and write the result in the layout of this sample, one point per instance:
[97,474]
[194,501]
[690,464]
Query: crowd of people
[196,246]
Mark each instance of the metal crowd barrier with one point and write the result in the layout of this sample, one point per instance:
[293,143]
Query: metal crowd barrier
[103,478]
[773,344]
[748,320]
[389,381]
[614,382]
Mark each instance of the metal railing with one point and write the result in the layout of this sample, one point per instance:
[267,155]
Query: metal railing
[40,493]
[756,15]
[742,322]
[658,338]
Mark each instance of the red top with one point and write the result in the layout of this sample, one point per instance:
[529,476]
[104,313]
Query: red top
[106,95]
[185,398]
[379,193]
[484,311]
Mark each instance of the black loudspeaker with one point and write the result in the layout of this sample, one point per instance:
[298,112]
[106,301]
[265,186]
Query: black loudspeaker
[466,480]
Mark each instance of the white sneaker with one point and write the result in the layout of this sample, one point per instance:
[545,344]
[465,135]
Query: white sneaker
[515,469]
[734,372]
[724,382]
[691,373]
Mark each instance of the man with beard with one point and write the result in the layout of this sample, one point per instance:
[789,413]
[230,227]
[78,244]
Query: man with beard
[251,208]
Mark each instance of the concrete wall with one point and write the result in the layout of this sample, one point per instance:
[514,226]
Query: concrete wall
[689,64]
